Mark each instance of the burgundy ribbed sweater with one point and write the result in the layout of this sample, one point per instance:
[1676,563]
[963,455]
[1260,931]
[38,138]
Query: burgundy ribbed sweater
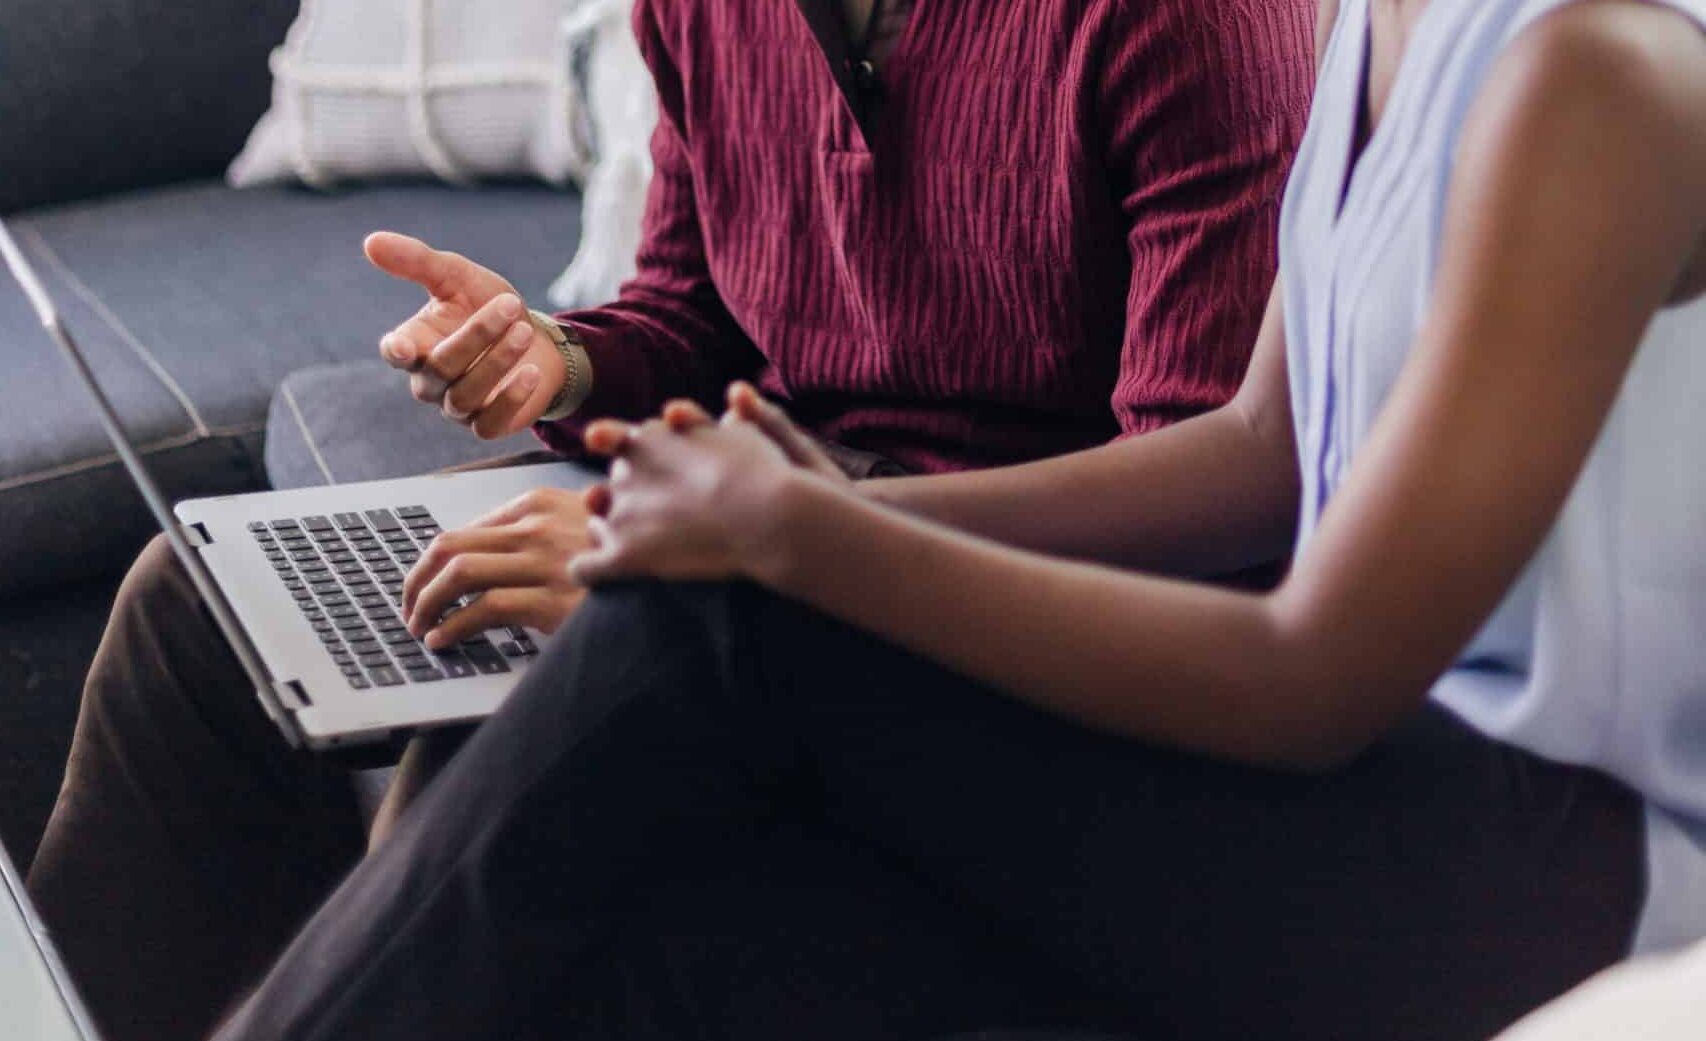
[1055,228]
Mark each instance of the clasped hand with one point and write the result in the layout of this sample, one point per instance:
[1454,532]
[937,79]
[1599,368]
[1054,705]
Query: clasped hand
[688,498]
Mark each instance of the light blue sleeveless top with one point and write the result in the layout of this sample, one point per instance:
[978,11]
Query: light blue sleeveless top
[1598,655]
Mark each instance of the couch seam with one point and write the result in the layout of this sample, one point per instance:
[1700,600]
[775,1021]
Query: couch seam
[11,484]
[128,338]
[307,437]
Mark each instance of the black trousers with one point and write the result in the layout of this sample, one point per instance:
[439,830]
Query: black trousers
[711,813]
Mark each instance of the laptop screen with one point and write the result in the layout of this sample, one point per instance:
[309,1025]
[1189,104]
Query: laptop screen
[31,1002]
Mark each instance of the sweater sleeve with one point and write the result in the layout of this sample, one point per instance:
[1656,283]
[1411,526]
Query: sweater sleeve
[1202,105]
[668,335]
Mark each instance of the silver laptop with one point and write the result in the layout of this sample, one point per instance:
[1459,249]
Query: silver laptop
[37,1001]
[305,585]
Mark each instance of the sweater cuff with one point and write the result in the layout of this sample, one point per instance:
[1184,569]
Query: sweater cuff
[618,380]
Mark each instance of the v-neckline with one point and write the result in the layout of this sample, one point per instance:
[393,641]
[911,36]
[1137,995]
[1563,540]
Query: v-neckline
[827,20]
[1357,148]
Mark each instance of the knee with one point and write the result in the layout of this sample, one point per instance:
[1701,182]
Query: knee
[156,583]
[156,625]
[651,617]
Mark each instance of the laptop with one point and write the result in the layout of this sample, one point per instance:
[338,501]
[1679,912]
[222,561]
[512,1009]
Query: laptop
[306,585]
[37,1002]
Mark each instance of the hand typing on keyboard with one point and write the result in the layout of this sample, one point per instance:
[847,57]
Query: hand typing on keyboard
[510,567]
[345,573]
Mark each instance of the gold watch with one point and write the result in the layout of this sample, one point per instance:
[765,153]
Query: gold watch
[577,368]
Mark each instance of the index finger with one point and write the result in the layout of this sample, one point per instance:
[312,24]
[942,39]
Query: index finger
[408,258]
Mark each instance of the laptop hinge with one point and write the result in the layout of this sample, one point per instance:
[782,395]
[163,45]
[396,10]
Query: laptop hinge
[197,535]
[292,695]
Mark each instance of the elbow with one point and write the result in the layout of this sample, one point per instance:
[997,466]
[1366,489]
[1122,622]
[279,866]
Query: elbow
[1318,755]
[1324,709]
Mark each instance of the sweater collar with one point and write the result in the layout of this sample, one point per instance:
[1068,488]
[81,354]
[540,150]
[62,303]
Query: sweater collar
[828,23]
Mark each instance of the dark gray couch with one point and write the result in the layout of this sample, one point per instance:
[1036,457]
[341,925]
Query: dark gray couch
[197,304]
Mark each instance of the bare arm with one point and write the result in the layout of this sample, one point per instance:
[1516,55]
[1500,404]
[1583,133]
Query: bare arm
[1538,306]
[1211,495]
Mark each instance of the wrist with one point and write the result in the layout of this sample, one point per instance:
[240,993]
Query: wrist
[572,368]
[792,512]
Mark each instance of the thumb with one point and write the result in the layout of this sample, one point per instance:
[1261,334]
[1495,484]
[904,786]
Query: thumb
[444,275]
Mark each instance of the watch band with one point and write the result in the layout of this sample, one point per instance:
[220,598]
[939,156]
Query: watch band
[577,374]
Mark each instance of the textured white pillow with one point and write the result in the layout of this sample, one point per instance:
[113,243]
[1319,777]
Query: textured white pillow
[617,107]
[457,89]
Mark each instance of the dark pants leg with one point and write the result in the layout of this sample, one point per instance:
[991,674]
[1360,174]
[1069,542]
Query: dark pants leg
[189,842]
[1434,890]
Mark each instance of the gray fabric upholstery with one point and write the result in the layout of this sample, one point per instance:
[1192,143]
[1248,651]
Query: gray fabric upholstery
[194,303]
[108,95]
[335,424]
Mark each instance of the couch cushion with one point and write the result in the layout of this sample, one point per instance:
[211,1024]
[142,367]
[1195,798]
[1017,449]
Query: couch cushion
[109,95]
[334,424]
[194,303]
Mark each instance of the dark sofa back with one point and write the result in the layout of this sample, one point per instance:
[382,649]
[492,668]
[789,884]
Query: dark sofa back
[102,95]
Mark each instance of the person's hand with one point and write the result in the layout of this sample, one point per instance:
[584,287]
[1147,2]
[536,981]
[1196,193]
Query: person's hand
[471,349]
[513,561]
[692,499]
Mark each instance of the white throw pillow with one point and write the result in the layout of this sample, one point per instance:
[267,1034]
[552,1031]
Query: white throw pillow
[457,89]
[616,104]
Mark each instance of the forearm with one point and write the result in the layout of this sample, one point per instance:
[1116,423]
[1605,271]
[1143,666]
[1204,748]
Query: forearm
[1210,496]
[1180,664]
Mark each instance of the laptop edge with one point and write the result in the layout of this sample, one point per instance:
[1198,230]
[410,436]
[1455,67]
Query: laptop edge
[176,535]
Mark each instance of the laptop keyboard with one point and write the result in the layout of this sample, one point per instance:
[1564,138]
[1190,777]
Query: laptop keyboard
[345,573]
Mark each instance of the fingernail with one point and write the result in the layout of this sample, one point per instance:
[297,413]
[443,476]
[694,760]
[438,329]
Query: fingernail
[521,334]
[528,377]
[510,307]
[392,349]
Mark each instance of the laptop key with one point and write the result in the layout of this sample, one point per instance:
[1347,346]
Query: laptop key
[489,666]
[374,659]
[350,521]
[257,526]
[456,666]
[353,622]
[425,675]
[412,511]
[397,638]
[350,669]
[359,683]
[386,677]
[285,525]
[317,523]
[382,520]
[510,649]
